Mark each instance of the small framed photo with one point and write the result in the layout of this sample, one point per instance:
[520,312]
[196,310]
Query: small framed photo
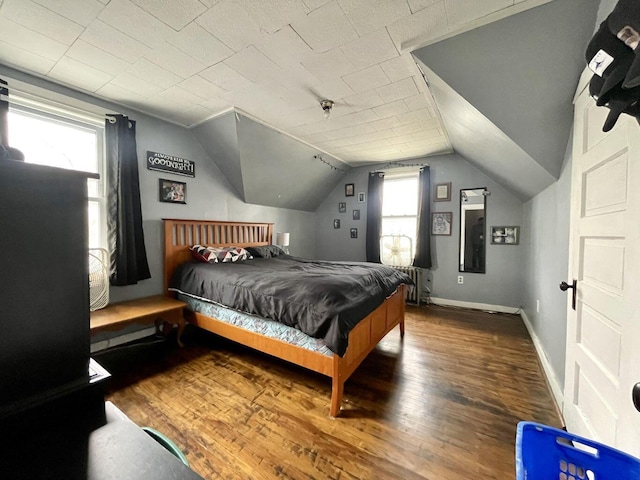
[441,223]
[349,190]
[353,232]
[336,223]
[171,191]
[356,214]
[361,197]
[505,235]
[342,207]
[442,192]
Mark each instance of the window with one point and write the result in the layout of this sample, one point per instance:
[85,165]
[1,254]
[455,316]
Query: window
[51,139]
[400,209]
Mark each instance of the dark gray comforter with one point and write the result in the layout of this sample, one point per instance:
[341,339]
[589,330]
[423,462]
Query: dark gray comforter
[322,299]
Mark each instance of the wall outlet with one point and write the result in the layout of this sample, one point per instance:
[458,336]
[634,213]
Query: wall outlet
[460,279]
[537,306]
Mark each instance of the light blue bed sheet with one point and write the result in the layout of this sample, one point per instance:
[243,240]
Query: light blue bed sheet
[253,323]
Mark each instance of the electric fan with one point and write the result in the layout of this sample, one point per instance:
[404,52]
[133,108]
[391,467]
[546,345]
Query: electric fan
[98,278]
[395,250]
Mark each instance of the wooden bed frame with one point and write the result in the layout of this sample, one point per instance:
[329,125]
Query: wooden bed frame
[179,235]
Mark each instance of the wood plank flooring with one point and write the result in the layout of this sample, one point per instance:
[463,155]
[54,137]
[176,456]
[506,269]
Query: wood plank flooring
[442,404]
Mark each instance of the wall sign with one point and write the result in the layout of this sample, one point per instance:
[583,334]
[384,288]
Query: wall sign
[170,164]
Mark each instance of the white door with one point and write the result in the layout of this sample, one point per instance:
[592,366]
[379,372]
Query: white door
[603,332]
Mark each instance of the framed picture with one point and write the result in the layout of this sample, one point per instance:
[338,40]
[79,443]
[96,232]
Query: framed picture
[171,191]
[354,233]
[349,190]
[342,207]
[441,223]
[361,197]
[336,223]
[442,192]
[505,235]
[356,214]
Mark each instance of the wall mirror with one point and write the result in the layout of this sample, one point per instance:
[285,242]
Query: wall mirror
[472,230]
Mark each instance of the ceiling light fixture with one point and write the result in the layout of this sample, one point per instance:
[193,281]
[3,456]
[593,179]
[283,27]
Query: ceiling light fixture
[327,105]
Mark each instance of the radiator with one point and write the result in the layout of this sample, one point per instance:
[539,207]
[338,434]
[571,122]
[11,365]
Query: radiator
[416,275]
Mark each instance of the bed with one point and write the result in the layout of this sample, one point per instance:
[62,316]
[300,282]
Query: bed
[179,235]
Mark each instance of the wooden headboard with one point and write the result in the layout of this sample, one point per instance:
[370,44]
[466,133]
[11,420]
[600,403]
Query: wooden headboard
[179,235]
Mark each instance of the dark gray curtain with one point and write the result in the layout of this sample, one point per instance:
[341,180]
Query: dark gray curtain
[423,237]
[374,216]
[124,216]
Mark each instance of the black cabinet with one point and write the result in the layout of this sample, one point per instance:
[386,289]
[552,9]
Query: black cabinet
[44,298]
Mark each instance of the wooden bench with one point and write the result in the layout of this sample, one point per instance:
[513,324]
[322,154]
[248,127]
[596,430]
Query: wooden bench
[158,310]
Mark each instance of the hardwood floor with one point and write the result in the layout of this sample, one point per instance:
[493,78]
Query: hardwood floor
[442,404]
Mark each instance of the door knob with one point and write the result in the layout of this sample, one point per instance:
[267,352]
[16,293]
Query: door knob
[635,394]
[564,286]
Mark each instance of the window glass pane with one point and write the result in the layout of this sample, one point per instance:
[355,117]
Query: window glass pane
[401,226]
[47,142]
[400,196]
[95,225]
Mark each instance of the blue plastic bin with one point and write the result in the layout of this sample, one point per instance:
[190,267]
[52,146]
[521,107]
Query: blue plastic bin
[545,453]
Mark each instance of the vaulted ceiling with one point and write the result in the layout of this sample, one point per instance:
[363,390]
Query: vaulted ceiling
[189,61]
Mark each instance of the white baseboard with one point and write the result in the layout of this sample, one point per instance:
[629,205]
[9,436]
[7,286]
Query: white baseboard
[126,338]
[476,306]
[552,380]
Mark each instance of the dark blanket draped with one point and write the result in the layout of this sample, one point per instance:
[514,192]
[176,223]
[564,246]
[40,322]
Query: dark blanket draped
[322,299]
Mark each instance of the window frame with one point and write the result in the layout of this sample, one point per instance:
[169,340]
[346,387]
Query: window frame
[403,176]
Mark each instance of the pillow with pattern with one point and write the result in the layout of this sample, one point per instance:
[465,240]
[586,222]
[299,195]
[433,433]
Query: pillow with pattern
[219,255]
[266,251]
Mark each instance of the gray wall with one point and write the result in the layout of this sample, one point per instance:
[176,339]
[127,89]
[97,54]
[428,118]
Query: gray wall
[501,285]
[546,265]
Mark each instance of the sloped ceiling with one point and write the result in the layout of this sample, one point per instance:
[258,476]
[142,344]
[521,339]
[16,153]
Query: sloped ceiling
[267,167]
[505,90]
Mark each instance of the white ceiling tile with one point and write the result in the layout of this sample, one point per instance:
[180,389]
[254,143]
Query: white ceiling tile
[174,60]
[462,11]
[417,5]
[225,77]
[201,87]
[417,102]
[430,22]
[385,123]
[399,67]
[96,58]
[398,90]
[180,96]
[272,15]
[154,74]
[176,13]
[24,60]
[284,47]
[427,134]
[421,115]
[79,74]
[370,50]
[424,143]
[136,85]
[391,109]
[315,4]
[252,64]
[107,38]
[295,76]
[192,115]
[135,22]
[366,79]
[82,12]
[104,1]
[363,100]
[216,105]
[370,15]
[333,89]
[200,44]
[407,129]
[160,107]
[39,19]
[325,28]
[30,41]
[120,95]
[230,23]
[329,65]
